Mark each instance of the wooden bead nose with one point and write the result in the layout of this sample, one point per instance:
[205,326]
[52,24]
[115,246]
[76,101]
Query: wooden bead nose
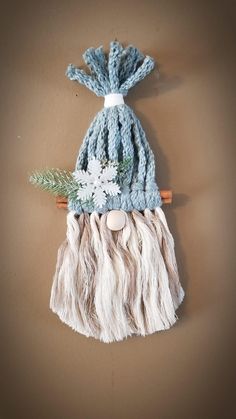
[116,220]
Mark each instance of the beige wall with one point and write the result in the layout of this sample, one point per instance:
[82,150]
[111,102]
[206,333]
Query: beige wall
[49,371]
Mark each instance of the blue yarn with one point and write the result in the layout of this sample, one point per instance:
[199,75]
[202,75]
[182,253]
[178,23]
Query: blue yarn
[116,133]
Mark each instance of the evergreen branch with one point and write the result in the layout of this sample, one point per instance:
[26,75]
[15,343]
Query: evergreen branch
[123,166]
[59,182]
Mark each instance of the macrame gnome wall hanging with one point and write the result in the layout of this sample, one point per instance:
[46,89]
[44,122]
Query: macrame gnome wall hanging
[116,272]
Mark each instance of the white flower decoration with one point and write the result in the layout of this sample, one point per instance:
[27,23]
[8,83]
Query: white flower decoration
[97,182]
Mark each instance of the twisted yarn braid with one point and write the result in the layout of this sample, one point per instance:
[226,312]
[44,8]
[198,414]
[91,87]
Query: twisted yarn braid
[117,74]
[116,133]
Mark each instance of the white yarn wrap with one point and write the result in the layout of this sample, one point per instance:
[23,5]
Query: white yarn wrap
[113,99]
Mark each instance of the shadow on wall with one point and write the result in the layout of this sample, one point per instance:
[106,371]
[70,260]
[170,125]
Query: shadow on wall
[157,83]
[160,84]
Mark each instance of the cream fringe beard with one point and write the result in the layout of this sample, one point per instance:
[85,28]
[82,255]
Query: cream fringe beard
[110,285]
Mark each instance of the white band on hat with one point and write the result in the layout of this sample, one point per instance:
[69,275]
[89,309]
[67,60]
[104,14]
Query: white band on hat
[113,99]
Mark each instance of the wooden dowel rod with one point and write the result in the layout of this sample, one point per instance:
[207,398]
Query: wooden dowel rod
[165,194]
[166,197]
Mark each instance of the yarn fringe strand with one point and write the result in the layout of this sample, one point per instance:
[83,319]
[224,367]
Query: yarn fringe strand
[111,285]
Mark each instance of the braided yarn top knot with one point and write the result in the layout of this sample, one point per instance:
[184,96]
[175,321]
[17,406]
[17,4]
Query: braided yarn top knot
[122,69]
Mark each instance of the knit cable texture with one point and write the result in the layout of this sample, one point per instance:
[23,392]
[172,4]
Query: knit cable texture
[116,133]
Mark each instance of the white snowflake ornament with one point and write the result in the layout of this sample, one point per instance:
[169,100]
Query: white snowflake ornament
[97,182]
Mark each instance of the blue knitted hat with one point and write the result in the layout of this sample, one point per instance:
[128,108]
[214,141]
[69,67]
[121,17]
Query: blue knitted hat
[116,136]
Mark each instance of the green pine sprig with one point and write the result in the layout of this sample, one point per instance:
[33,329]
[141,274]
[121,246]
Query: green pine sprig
[58,182]
[123,167]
